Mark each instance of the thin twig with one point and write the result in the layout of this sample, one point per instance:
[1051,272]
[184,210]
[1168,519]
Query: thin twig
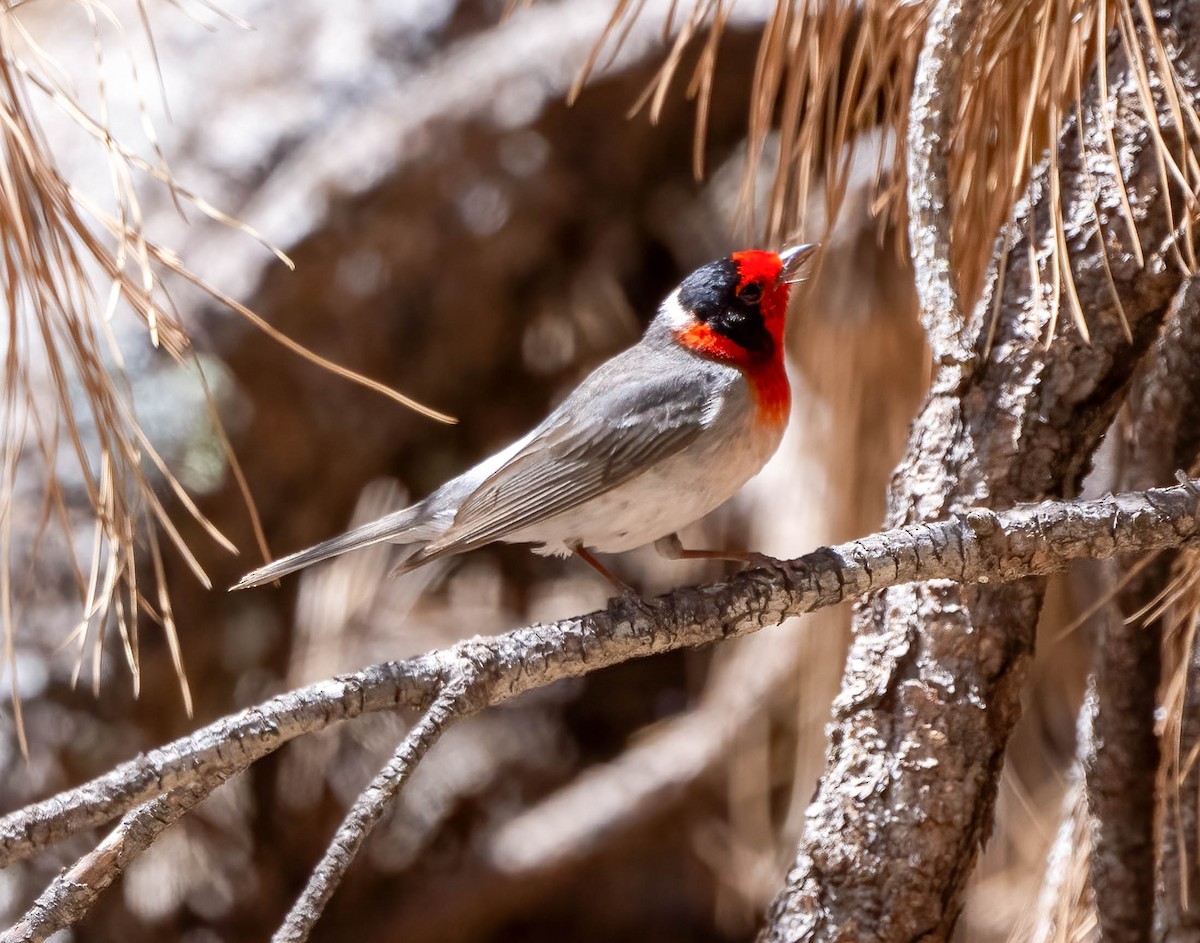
[228,744]
[366,812]
[71,895]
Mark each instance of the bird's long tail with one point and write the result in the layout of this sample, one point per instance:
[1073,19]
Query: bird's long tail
[399,527]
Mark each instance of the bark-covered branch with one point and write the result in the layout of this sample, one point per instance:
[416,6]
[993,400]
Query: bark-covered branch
[453,704]
[71,895]
[1122,766]
[937,90]
[978,546]
[932,684]
[231,743]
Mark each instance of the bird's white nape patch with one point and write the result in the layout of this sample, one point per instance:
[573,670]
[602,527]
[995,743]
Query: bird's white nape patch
[675,315]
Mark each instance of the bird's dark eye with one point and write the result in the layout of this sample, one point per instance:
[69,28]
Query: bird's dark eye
[751,294]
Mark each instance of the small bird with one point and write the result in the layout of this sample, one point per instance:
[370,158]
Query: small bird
[652,440]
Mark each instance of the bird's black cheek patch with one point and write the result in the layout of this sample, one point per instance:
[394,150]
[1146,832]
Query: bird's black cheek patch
[746,330]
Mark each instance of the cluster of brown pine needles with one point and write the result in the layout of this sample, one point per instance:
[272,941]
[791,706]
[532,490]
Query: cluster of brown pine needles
[68,267]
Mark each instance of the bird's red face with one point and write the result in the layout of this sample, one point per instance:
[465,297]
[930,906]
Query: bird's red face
[734,310]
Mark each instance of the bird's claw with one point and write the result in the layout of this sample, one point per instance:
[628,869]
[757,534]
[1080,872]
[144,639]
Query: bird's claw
[761,561]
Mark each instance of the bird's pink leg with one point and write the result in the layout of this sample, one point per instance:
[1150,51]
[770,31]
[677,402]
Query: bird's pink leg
[672,548]
[621,586]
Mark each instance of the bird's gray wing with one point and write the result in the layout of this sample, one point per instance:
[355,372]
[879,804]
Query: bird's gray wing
[575,456]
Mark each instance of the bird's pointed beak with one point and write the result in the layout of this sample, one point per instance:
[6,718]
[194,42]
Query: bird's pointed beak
[793,258]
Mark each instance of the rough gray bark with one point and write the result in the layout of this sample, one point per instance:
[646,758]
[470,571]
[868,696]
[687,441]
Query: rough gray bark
[1178,916]
[937,90]
[1122,769]
[457,699]
[931,688]
[1169,412]
[73,892]
[980,546]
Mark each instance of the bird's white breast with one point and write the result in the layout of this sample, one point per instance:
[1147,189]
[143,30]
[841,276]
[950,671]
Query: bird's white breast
[674,492]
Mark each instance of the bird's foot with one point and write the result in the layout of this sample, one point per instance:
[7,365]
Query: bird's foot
[629,602]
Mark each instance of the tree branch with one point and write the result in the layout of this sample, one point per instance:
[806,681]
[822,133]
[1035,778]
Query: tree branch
[229,744]
[452,705]
[933,111]
[980,546]
[71,895]
[1122,765]
[932,684]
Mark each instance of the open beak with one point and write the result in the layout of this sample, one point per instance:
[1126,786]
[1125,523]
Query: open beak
[794,258]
